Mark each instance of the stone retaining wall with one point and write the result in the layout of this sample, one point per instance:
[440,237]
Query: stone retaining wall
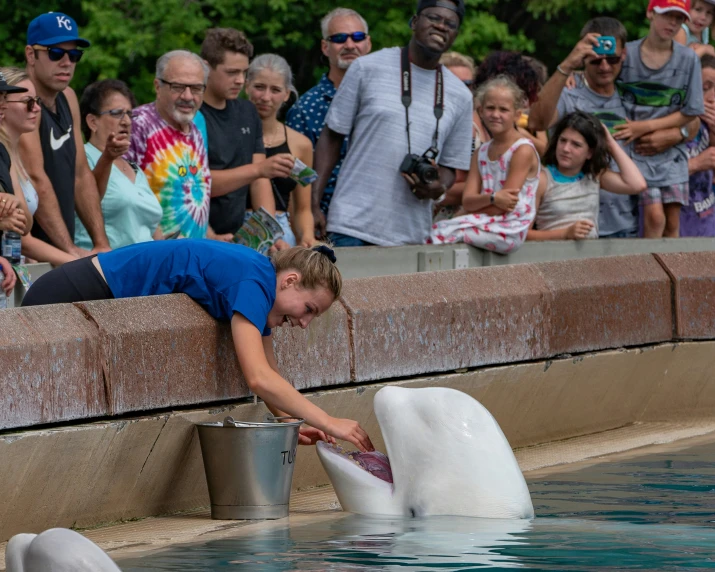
[102,359]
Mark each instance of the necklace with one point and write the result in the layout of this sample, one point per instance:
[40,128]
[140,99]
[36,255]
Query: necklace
[275,138]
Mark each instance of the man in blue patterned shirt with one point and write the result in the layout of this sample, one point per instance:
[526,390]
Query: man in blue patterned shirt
[345,38]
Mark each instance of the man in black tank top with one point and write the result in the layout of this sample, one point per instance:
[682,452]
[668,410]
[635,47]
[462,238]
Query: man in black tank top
[63,179]
[237,157]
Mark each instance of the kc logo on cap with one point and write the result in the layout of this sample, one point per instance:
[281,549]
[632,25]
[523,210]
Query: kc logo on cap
[54,28]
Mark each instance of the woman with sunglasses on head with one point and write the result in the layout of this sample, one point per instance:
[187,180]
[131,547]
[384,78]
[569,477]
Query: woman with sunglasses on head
[21,116]
[269,83]
[130,209]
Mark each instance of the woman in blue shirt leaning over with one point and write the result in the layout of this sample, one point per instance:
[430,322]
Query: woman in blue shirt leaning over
[232,283]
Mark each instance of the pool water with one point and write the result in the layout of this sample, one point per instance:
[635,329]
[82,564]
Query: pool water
[655,512]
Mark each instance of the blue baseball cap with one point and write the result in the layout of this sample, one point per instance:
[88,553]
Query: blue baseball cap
[53,28]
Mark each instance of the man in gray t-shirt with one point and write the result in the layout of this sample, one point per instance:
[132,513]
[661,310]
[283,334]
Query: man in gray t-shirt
[374,203]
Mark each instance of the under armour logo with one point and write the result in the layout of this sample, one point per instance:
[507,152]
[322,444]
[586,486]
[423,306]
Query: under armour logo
[64,22]
[246,130]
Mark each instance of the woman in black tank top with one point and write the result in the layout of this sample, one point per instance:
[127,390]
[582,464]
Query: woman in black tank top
[269,83]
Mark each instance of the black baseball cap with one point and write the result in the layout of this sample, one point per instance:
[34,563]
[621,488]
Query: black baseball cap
[454,5]
[5,88]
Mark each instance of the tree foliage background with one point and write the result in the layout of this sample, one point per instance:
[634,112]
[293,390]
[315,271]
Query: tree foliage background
[128,35]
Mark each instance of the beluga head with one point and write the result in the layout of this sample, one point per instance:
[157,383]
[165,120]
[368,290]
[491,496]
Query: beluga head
[446,455]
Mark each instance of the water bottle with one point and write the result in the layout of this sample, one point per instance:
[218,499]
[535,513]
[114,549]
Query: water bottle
[11,247]
[3,298]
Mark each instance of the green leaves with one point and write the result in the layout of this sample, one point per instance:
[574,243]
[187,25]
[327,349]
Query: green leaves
[129,35]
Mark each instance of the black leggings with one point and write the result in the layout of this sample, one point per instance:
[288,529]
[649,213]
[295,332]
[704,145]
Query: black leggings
[76,281]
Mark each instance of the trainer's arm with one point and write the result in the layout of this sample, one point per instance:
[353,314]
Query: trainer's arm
[86,195]
[264,381]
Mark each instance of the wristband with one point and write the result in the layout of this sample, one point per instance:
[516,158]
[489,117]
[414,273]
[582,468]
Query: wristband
[561,71]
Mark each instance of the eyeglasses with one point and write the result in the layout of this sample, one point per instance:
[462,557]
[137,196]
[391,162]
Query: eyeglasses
[30,102]
[611,60]
[342,38]
[56,54]
[118,113]
[179,88]
[437,19]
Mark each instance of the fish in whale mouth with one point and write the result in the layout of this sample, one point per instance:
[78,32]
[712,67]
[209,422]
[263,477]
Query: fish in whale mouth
[445,455]
[375,463]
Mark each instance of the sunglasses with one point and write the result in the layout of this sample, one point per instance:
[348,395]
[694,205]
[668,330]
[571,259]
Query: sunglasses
[56,54]
[611,60]
[342,38]
[29,102]
[118,113]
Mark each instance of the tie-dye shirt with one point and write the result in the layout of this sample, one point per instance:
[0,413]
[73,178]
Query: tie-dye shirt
[177,168]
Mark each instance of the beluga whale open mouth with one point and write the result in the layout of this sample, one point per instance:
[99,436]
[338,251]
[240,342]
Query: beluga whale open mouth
[446,455]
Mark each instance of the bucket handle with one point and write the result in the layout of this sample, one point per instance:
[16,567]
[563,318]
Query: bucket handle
[231,422]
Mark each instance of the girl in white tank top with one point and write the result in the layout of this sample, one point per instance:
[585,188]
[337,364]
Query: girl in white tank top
[576,165]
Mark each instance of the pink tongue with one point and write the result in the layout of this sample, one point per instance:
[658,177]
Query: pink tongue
[375,463]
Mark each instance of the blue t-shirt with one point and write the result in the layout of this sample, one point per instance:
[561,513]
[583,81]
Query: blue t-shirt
[224,278]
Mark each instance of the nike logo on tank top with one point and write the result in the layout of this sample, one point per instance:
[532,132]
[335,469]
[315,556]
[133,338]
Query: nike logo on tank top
[59,152]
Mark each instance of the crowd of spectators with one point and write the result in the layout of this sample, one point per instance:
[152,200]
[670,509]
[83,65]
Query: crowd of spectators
[412,144]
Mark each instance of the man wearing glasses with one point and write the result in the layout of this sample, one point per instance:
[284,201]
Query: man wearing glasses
[400,108]
[170,149]
[597,94]
[54,154]
[345,38]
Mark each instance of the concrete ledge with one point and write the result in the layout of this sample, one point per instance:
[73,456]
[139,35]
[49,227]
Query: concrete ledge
[319,355]
[50,367]
[164,351]
[441,321]
[152,353]
[693,276]
[604,303]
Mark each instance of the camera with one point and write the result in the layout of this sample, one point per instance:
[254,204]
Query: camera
[421,166]
[606,46]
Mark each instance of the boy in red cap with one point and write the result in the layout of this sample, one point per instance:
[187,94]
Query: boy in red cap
[661,87]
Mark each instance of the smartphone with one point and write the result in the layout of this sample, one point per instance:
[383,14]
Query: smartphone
[606,46]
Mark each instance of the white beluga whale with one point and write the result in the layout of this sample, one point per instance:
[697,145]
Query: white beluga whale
[56,550]
[446,455]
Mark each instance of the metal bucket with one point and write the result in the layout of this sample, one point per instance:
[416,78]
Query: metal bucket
[249,467]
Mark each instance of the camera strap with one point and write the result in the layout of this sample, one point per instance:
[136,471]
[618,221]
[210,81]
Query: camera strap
[407,96]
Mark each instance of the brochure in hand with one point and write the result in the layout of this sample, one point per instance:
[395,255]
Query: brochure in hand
[259,232]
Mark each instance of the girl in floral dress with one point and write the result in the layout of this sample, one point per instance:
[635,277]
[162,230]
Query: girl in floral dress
[499,197]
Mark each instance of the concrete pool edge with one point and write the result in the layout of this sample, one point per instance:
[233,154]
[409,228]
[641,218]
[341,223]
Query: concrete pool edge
[109,471]
[154,534]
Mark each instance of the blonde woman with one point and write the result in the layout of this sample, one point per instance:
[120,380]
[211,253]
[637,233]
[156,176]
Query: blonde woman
[21,116]
[269,83]
[232,283]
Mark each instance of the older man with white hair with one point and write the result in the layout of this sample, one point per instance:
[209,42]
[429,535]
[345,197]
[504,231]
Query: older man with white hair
[169,148]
